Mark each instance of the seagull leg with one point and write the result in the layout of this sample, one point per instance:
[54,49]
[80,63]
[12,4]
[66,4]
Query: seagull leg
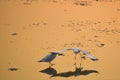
[75,56]
[80,60]
[50,64]
[75,63]
[75,59]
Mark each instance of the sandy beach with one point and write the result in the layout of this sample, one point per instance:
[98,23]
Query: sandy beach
[30,29]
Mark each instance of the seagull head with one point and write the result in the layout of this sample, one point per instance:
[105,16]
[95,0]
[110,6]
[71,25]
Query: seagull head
[76,50]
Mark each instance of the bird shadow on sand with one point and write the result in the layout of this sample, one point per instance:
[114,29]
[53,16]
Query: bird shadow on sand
[77,72]
[49,71]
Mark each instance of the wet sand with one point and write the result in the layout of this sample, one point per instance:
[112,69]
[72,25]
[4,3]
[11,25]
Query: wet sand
[29,30]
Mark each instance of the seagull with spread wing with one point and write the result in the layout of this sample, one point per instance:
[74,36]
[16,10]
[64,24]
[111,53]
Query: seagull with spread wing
[77,51]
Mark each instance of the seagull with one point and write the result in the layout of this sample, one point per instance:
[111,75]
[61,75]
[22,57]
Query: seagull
[50,57]
[77,51]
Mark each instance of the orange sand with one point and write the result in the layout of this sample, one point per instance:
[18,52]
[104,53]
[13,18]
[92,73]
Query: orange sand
[29,30]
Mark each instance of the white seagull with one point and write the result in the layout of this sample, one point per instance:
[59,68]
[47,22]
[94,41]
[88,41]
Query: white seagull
[77,51]
[50,57]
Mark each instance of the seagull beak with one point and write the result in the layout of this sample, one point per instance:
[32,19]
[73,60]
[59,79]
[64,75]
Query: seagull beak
[61,54]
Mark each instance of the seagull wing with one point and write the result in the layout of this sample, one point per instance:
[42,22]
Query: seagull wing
[89,55]
[60,51]
[75,50]
[48,58]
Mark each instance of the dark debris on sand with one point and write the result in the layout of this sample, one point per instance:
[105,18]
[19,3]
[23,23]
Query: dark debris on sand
[100,45]
[13,69]
[14,34]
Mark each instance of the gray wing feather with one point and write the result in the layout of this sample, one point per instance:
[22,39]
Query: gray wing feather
[89,55]
[60,51]
[48,58]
